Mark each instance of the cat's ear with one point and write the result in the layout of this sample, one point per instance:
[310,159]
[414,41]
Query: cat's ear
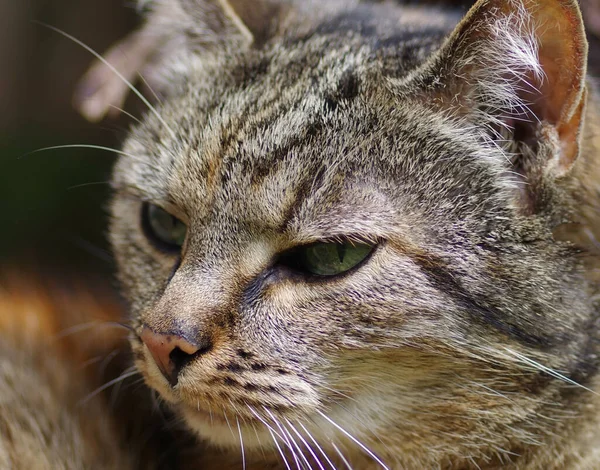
[173,28]
[518,66]
[253,21]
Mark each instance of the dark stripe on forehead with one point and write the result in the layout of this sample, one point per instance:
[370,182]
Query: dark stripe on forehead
[248,72]
[303,191]
[264,167]
[305,73]
[270,109]
[347,89]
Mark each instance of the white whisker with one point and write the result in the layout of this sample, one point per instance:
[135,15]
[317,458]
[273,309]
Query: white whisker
[85,185]
[260,444]
[241,443]
[210,413]
[339,452]
[261,419]
[107,360]
[228,425]
[121,110]
[492,391]
[337,392]
[305,443]
[297,447]
[356,441]
[107,385]
[115,392]
[89,325]
[284,437]
[318,446]
[91,361]
[272,432]
[548,370]
[287,465]
[143,79]
[116,72]
[93,147]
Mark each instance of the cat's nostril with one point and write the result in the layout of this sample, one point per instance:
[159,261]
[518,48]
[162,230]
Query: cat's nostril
[180,358]
[172,352]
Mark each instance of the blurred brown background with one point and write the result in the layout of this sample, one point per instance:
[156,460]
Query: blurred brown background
[52,203]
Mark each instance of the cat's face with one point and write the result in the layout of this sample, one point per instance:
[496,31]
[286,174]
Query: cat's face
[444,282]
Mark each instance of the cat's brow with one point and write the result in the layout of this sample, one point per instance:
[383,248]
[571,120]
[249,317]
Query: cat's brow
[366,226]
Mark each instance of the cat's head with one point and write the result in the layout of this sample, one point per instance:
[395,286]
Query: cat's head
[329,224]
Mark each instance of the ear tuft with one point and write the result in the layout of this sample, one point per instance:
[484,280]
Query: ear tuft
[517,65]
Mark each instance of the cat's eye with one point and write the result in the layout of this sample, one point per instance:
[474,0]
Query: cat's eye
[327,258]
[166,231]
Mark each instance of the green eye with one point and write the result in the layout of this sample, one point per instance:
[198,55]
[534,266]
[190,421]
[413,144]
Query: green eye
[167,232]
[328,259]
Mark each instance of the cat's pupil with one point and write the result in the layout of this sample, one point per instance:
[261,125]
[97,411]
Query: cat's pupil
[328,258]
[341,249]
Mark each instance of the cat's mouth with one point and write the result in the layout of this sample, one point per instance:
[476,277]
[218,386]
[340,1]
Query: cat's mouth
[227,407]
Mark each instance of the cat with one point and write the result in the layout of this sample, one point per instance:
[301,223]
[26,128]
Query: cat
[50,361]
[363,235]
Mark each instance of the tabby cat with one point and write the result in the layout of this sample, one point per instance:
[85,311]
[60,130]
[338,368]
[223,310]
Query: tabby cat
[356,235]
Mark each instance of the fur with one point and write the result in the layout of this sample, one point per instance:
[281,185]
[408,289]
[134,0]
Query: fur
[466,153]
[469,339]
[50,417]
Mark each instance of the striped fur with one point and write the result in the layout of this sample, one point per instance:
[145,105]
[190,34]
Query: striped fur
[364,124]
[468,154]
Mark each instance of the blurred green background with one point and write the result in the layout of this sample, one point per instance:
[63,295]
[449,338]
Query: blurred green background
[53,203]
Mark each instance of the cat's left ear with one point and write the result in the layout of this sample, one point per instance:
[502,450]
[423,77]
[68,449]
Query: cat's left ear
[516,65]
[174,28]
[251,21]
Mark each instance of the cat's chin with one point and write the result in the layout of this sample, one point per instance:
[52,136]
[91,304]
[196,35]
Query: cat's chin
[224,430]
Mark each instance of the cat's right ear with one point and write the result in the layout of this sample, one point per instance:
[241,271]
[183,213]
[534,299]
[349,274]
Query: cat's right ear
[517,68]
[173,28]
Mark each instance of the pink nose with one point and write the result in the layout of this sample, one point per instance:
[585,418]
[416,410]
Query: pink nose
[170,352]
